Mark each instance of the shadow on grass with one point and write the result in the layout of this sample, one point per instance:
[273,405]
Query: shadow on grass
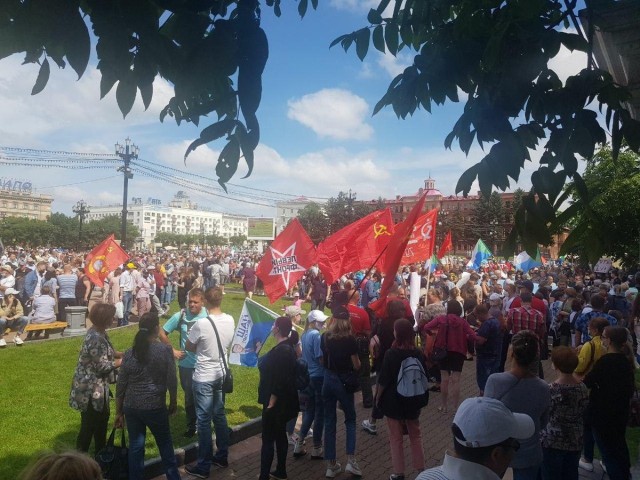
[13,464]
[251,411]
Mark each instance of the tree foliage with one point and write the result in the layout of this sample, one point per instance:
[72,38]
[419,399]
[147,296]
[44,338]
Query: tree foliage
[213,52]
[61,231]
[610,224]
[497,53]
[315,221]
[180,239]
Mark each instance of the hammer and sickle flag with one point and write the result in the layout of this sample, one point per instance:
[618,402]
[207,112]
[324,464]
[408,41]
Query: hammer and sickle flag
[104,259]
[355,246]
[423,238]
[290,255]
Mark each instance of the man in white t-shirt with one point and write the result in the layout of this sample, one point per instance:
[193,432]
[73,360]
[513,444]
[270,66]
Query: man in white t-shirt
[127,285]
[207,382]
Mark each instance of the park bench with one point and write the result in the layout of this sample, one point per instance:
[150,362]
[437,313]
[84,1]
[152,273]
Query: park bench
[45,326]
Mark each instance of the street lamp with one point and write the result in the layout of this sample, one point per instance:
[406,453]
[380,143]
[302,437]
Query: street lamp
[126,152]
[81,210]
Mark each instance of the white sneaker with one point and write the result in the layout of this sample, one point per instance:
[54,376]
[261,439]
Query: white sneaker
[3,342]
[293,439]
[604,467]
[298,449]
[583,464]
[332,470]
[317,453]
[18,341]
[370,427]
[353,468]
[310,434]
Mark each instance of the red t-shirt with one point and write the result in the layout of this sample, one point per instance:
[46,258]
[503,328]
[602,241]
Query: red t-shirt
[360,321]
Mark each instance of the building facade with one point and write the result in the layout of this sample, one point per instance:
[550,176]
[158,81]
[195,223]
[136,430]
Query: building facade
[287,210]
[17,199]
[180,216]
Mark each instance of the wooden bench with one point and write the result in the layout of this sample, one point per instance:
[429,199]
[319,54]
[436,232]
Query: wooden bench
[32,327]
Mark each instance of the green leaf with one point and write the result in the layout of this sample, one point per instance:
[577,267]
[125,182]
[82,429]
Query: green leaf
[126,94]
[616,136]
[146,92]
[362,42]
[211,133]
[378,38]
[77,44]
[43,77]
[228,161]
[302,7]
[339,40]
[573,41]
[391,37]
[466,180]
[374,17]
[581,187]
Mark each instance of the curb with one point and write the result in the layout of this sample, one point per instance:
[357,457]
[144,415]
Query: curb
[189,453]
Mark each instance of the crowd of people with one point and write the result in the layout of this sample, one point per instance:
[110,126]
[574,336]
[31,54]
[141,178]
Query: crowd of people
[504,321]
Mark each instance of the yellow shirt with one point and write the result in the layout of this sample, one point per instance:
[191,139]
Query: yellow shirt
[585,362]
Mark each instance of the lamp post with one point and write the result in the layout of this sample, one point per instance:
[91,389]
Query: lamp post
[126,152]
[81,210]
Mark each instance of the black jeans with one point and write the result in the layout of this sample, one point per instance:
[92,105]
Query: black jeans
[274,425]
[62,304]
[93,424]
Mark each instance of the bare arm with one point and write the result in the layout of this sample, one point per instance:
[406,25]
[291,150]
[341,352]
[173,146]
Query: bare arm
[177,354]
[190,347]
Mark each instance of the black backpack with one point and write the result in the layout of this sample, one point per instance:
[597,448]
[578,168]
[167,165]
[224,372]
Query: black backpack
[302,374]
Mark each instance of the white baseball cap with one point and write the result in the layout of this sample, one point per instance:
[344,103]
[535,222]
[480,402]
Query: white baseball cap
[486,421]
[317,316]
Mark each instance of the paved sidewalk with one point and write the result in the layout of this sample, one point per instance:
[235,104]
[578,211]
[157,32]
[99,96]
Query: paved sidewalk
[372,452]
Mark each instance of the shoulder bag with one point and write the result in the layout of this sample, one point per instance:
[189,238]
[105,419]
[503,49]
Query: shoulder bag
[440,352]
[114,461]
[227,376]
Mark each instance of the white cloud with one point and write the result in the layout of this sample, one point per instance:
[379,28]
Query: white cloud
[567,63]
[394,65]
[172,154]
[333,113]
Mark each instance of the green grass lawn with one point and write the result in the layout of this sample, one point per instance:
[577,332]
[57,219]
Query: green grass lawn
[35,384]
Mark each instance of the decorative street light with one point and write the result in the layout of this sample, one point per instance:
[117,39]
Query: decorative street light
[81,210]
[126,152]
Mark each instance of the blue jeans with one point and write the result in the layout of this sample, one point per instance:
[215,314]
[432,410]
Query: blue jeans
[158,422]
[17,324]
[485,366]
[314,412]
[186,382]
[127,303]
[559,464]
[333,392]
[209,401]
[167,295]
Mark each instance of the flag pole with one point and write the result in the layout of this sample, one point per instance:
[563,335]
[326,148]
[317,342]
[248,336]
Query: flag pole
[369,270]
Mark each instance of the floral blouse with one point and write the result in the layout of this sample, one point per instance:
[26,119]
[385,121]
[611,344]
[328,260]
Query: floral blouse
[94,372]
[565,428]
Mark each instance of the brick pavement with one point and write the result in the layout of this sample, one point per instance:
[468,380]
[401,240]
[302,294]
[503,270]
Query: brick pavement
[372,452]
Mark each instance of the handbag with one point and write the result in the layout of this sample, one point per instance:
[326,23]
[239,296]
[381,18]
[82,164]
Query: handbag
[227,376]
[439,353]
[113,460]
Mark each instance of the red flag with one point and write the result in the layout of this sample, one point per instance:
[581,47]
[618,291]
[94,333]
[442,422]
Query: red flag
[290,255]
[447,244]
[422,241]
[104,259]
[355,246]
[395,249]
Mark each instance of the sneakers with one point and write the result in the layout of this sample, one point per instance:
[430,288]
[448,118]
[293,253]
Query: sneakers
[220,462]
[317,453]
[277,476]
[353,468]
[583,464]
[604,467]
[3,342]
[393,476]
[195,471]
[293,439]
[333,470]
[18,341]
[370,427]
[298,449]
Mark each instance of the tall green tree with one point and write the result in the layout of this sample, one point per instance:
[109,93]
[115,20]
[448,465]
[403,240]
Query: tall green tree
[343,210]
[610,224]
[96,231]
[315,221]
[498,53]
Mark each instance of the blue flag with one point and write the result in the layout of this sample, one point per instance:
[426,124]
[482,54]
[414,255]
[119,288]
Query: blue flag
[480,253]
[254,327]
[525,263]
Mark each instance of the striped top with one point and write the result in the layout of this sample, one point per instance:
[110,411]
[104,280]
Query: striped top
[67,285]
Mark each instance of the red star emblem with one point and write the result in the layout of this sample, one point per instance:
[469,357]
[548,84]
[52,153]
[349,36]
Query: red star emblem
[285,263]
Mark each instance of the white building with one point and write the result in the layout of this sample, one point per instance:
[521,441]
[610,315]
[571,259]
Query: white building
[289,209]
[181,216]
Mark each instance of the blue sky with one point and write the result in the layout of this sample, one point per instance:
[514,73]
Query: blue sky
[317,133]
